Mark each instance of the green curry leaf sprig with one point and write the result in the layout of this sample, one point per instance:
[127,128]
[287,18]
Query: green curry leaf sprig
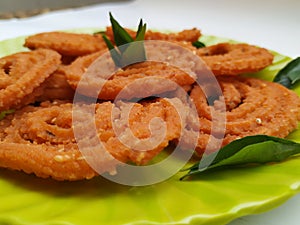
[251,150]
[128,50]
[290,74]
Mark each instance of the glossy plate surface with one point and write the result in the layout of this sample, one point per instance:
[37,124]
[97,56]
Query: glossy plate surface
[212,198]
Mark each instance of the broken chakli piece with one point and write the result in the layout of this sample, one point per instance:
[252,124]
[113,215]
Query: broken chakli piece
[39,85]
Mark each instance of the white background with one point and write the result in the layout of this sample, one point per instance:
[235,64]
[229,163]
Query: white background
[273,24]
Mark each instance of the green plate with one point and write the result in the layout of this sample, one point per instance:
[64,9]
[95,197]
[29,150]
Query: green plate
[212,198]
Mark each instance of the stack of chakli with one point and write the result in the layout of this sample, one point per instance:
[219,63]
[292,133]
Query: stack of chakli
[38,87]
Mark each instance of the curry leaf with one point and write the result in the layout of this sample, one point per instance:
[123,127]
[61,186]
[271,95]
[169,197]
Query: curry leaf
[140,35]
[198,44]
[108,42]
[131,55]
[127,50]
[121,36]
[115,55]
[99,32]
[258,149]
[290,74]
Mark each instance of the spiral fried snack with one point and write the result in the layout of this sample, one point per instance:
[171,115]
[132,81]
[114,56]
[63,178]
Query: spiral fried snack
[253,107]
[235,59]
[22,73]
[67,44]
[156,77]
[56,87]
[41,140]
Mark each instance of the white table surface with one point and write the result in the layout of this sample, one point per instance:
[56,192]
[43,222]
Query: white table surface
[273,24]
